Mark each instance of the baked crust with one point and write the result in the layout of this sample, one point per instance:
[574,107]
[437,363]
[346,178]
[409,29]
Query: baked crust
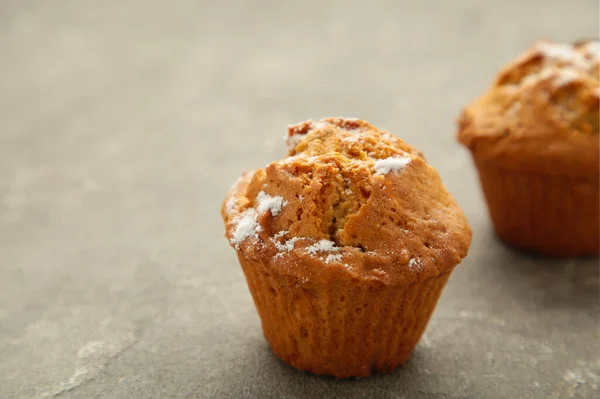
[541,113]
[349,202]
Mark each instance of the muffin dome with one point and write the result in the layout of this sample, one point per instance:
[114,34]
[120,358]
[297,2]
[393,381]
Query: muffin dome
[541,113]
[353,198]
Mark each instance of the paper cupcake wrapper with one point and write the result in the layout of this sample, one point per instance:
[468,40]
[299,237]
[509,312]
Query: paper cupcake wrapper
[343,329]
[549,215]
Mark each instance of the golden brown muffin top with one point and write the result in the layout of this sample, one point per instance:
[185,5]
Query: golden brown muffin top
[541,112]
[348,201]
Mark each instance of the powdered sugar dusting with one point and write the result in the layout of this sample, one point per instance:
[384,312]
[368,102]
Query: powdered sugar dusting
[247,226]
[269,203]
[322,246]
[592,49]
[562,52]
[355,131]
[299,157]
[230,205]
[560,76]
[536,77]
[385,166]
[388,136]
[414,264]
[280,234]
[563,63]
[333,258]
[319,125]
[286,246]
[566,76]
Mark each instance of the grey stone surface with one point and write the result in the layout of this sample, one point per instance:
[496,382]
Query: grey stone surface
[122,124]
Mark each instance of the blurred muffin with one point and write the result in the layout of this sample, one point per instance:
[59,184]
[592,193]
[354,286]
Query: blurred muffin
[346,245]
[534,140]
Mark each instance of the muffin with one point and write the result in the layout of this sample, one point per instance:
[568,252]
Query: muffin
[534,140]
[346,245]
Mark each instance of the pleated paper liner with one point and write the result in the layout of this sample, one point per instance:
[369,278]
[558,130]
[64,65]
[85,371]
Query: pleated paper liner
[549,215]
[344,329]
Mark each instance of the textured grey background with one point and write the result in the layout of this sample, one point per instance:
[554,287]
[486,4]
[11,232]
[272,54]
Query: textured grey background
[122,125]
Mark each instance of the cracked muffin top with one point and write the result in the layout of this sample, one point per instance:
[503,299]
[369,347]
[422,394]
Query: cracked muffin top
[348,201]
[541,112]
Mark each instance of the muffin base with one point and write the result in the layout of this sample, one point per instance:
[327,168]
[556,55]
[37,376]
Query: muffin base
[341,328]
[549,215]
